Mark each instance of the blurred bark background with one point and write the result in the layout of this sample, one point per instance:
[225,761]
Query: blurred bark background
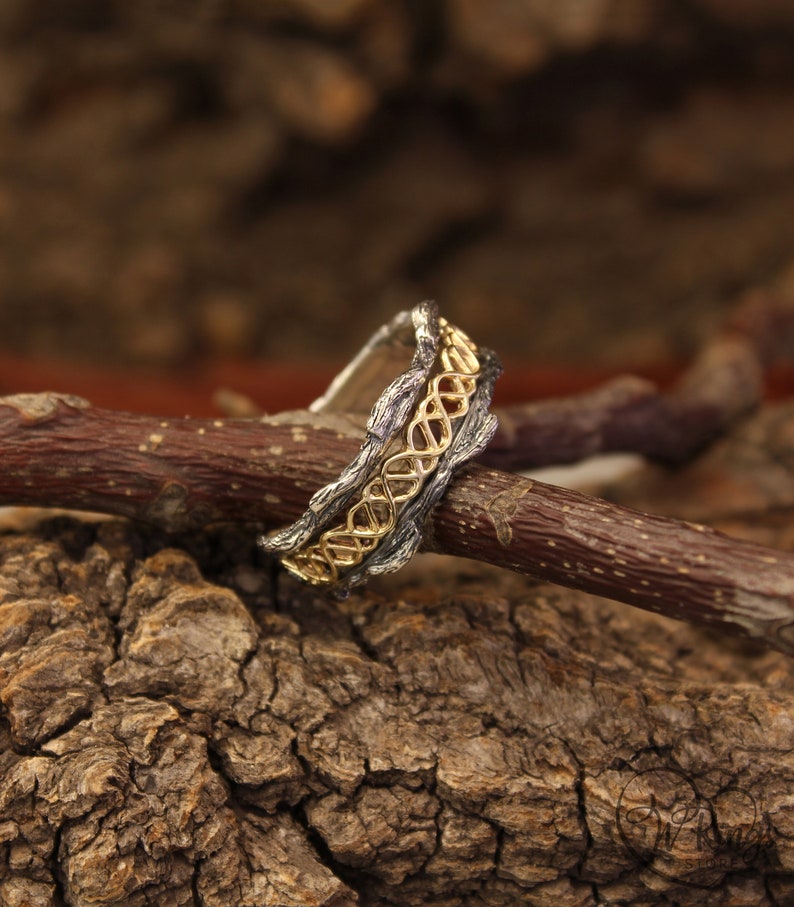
[585,182]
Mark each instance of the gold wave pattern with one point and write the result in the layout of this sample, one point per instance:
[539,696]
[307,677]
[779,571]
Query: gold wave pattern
[402,474]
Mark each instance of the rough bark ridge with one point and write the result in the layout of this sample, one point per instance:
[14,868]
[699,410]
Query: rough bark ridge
[179,726]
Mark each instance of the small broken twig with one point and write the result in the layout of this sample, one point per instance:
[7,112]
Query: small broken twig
[630,414]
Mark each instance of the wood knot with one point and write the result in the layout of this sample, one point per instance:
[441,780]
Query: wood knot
[38,407]
[502,508]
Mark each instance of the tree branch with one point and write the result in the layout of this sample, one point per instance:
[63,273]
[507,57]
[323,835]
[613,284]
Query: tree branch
[179,473]
[630,414]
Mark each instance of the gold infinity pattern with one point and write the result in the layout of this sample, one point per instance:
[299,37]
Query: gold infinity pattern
[401,476]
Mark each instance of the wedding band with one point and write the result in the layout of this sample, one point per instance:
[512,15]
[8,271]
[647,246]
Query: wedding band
[430,420]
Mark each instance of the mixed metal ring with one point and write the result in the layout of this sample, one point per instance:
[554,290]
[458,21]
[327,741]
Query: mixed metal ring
[428,422]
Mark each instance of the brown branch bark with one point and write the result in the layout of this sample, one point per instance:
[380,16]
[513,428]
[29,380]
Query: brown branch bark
[182,473]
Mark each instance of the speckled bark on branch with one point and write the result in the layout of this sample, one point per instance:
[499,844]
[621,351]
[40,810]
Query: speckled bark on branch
[183,472]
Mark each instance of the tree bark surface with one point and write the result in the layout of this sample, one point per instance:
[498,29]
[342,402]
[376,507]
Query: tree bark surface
[182,726]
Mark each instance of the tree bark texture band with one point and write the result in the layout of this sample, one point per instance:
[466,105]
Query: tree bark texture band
[428,422]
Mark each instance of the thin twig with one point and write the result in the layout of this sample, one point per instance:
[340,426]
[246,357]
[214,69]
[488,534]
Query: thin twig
[630,414]
[61,452]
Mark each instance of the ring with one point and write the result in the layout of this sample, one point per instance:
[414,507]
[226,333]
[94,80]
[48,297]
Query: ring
[429,421]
